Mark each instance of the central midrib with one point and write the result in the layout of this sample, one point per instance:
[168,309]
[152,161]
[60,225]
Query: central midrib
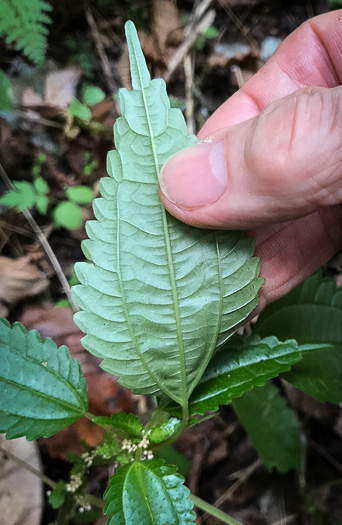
[169,253]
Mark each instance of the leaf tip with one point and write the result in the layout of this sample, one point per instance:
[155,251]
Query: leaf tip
[139,72]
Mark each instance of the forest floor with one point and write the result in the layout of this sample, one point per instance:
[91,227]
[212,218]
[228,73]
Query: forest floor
[45,134]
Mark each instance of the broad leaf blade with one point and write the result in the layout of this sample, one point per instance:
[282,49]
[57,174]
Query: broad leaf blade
[311,313]
[146,492]
[157,294]
[272,426]
[238,367]
[42,389]
[127,423]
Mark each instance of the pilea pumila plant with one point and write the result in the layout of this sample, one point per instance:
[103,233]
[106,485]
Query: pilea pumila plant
[160,303]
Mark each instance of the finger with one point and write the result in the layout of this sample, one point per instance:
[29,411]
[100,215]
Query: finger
[292,251]
[283,164]
[310,56]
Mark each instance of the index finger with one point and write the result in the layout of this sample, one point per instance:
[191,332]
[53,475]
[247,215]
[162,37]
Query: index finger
[310,56]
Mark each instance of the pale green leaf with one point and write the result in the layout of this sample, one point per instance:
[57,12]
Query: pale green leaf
[22,197]
[68,215]
[311,313]
[92,95]
[41,185]
[272,426]
[42,203]
[146,493]
[128,423]
[79,110]
[239,366]
[157,295]
[6,103]
[80,194]
[164,430]
[42,389]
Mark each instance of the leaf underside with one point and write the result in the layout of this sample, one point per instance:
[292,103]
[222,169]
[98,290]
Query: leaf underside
[42,388]
[311,313]
[272,426]
[157,295]
[142,493]
[239,366]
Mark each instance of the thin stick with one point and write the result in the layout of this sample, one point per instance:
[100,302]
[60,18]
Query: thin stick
[189,98]
[241,27]
[247,474]
[45,244]
[40,120]
[194,31]
[48,481]
[213,511]
[102,55]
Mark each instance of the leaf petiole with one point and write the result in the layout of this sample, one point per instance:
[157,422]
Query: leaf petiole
[213,511]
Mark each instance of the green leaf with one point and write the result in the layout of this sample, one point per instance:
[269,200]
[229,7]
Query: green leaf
[211,32]
[146,492]
[57,496]
[92,95]
[79,110]
[171,455]
[42,389]
[22,197]
[80,194]
[128,423]
[239,366]
[24,22]
[272,426]
[42,203]
[157,295]
[68,215]
[164,430]
[311,313]
[41,185]
[6,103]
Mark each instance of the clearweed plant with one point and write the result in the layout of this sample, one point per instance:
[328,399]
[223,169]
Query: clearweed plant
[160,303]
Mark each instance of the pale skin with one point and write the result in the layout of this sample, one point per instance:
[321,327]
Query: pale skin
[271,160]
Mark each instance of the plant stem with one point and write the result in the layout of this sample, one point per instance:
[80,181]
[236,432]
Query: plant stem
[213,511]
[28,467]
[92,500]
[90,416]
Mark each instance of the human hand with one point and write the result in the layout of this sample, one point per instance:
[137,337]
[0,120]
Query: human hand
[273,153]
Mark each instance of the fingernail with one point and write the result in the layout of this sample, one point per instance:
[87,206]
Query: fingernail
[196,176]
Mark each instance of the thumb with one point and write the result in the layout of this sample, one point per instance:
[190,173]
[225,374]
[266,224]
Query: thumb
[283,164]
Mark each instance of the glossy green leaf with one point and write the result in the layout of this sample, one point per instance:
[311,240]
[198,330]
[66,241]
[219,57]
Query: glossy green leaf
[157,295]
[239,366]
[79,110]
[128,423]
[23,196]
[164,430]
[311,313]
[272,426]
[42,389]
[80,194]
[68,215]
[148,492]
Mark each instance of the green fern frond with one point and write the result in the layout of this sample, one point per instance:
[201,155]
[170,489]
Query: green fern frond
[24,22]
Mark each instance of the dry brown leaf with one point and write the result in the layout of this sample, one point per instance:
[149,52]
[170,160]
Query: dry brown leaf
[105,394]
[60,88]
[19,278]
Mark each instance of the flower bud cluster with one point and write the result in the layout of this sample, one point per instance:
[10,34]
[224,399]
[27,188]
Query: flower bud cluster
[143,445]
[75,482]
[88,458]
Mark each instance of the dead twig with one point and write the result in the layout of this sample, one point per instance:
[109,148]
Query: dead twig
[45,244]
[200,23]
[189,97]
[241,27]
[112,86]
